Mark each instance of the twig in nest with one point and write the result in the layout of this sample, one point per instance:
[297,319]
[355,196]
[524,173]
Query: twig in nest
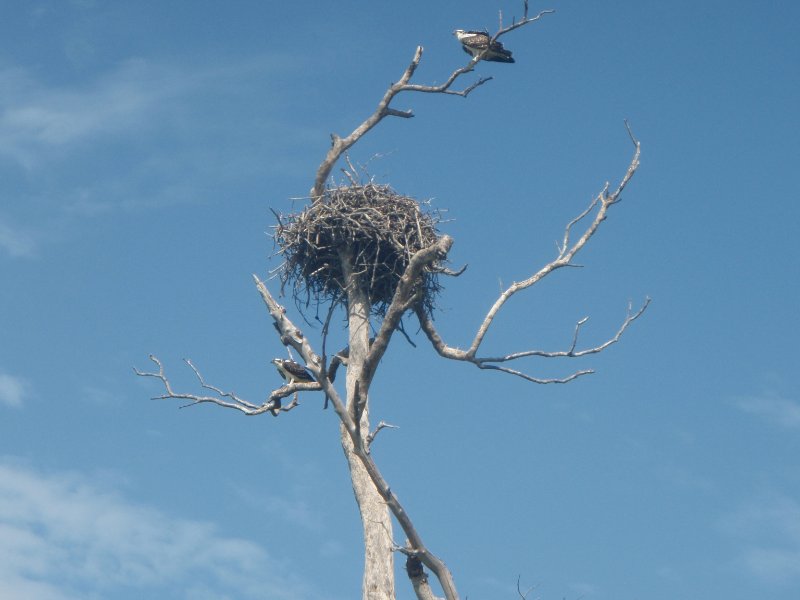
[382,230]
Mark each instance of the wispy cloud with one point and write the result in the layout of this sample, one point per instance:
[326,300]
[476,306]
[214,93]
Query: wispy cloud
[775,409]
[62,537]
[134,99]
[141,134]
[777,565]
[35,117]
[769,530]
[15,241]
[298,497]
[13,390]
[296,510]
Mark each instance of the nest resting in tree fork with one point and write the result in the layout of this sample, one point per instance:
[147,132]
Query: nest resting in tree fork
[382,230]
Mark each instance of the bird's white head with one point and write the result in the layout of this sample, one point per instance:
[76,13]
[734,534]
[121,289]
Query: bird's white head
[459,33]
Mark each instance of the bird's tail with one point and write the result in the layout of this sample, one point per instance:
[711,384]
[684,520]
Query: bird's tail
[504,56]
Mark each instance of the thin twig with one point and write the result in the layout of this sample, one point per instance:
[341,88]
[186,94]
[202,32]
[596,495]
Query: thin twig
[524,595]
[381,425]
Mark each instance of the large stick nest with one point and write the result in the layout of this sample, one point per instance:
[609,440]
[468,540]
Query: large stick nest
[378,227]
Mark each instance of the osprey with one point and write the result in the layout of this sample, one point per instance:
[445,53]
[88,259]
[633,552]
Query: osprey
[475,42]
[291,371]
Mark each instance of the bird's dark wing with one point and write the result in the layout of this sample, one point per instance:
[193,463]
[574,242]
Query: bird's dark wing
[498,46]
[498,56]
[297,370]
[476,40]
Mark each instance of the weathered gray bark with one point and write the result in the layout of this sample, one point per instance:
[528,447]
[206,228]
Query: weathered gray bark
[378,581]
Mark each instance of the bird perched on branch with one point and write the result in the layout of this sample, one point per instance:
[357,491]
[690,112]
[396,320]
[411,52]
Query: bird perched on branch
[291,371]
[475,42]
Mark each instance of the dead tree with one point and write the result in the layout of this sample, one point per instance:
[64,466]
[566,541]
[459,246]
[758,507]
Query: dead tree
[379,256]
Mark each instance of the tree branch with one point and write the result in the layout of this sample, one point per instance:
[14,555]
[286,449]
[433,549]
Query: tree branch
[271,404]
[404,298]
[340,145]
[567,251]
[381,425]
[298,340]
[293,336]
[418,577]
[524,595]
[517,24]
[572,353]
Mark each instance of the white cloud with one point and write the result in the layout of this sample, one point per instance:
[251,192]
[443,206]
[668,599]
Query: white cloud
[774,409]
[12,390]
[99,396]
[134,98]
[62,538]
[769,530]
[138,135]
[141,134]
[34,117]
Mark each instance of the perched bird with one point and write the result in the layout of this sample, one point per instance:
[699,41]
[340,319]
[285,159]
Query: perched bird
[291,371]
[475,42]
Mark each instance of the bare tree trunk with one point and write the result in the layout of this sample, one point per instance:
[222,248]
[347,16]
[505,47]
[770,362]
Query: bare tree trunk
[378,582]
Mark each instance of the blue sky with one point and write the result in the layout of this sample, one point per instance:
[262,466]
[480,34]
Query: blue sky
[141,148]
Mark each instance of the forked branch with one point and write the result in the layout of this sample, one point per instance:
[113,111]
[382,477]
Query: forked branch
[405,297]
[517,24]
[226,399]
[293,336]
[340,145]
[566,253]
